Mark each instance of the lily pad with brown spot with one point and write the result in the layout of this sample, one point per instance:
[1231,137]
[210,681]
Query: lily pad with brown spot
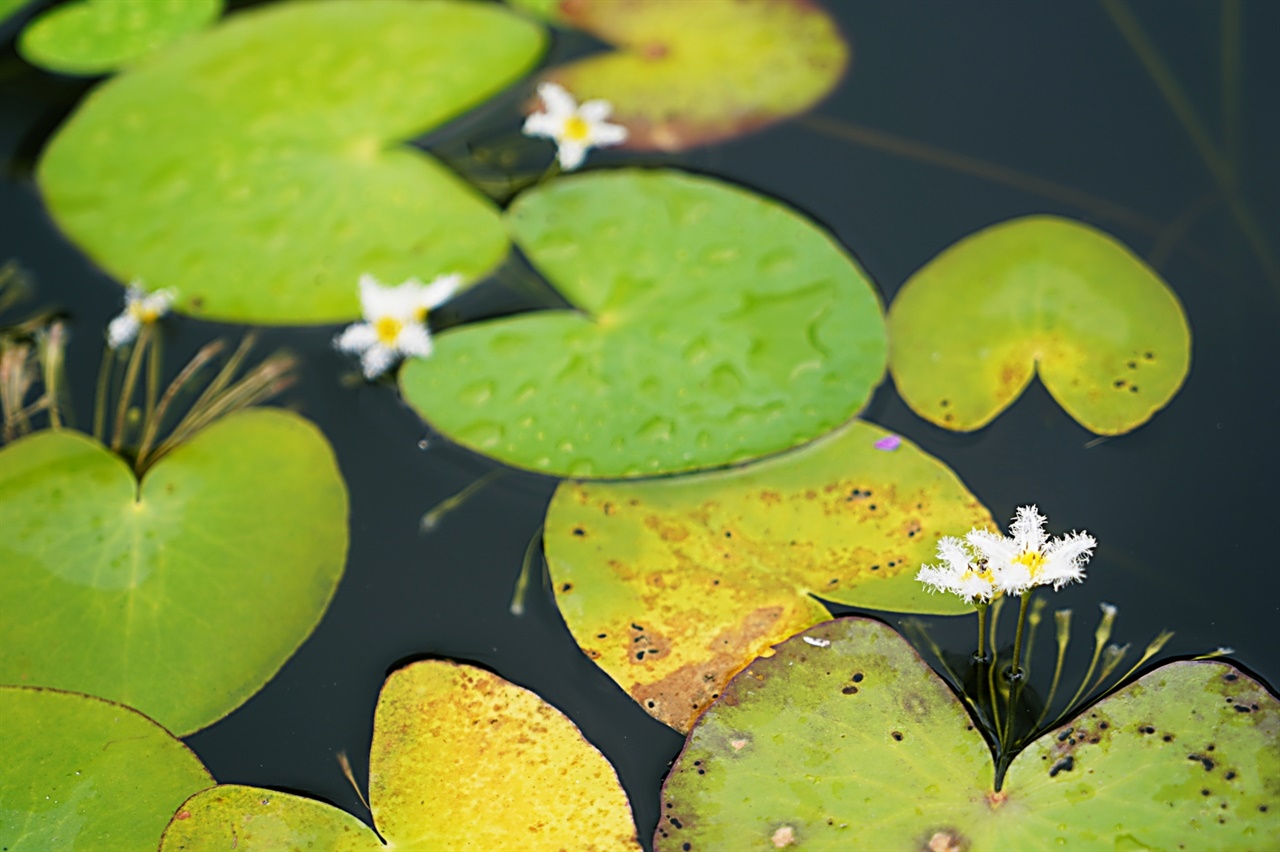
[1046,295]
[858,744]
[673,585]
[461,759]
[691,73]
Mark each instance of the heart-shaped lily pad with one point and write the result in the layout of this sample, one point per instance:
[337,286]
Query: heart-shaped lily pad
[184,595]
[859,745]
[711,326]
[461,759]
[84,773]
[687,74]
[1038,294]
[259,172]
[673,585]
[96,36]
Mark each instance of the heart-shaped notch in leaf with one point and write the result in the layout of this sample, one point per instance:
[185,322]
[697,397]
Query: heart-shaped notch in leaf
[710,326]
[689,74]
[855,743]
[180,596]
[461,759]
[97,36]
[673,585]
[259,171]
[1040,294]
[84,773]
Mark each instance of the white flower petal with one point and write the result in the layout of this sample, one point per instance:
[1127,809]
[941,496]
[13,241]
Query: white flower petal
[604,135]
[595,111]
[1027,530]
[952,551]
[439,291]
[376,360]
[158,302]
[996,549]
[571,154]
[356,338]
[122,330]
[542,125]
[414,339]
[557,100]
[972,588]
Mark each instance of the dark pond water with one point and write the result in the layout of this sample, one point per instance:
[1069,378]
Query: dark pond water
[1184,508]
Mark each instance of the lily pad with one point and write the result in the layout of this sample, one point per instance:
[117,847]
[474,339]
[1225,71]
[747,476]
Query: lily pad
[688,74]
[84,773]
[461,759]
[96,36]
[259,171]
[859,745]
[183,595]
[710,325]
[673,585]
[9,8]
[1038,294]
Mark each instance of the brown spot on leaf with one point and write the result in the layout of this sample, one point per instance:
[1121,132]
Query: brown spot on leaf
[945,840]
[680,697]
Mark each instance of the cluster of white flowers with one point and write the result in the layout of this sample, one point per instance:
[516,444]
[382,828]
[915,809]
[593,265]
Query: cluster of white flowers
[575,129]
[395,321]
[985,564]
[140,308]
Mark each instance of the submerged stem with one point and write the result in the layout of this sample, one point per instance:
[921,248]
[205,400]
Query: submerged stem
[526,571]
[981,655]
[432,518]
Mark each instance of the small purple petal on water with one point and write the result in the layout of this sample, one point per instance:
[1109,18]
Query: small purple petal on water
[889,443]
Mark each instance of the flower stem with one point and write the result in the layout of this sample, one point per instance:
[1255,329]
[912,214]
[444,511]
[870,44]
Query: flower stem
[526,569]
[130,381]
[100,401]
[1015,673]
[1063,620]
[981,655]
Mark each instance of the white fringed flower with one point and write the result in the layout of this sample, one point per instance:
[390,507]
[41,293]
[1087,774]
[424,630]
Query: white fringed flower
[575,129]
[1028,557]
[962,572]
[140,308]
[395,321]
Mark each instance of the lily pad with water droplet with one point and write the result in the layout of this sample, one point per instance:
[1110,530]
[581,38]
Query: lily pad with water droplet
[461,759]
[84,773]
[183,595]
[859,745]
[97,36]
[673,585]
[1043,295]
[261,169]
[688,74]
[709,325]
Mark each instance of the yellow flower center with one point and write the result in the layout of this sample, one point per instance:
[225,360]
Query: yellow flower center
[144,314]
[388,330]
[576,129]
[1033,559]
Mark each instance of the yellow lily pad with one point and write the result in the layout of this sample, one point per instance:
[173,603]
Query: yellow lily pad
[691,73]
[673,585]
[461,759]
[1046,295]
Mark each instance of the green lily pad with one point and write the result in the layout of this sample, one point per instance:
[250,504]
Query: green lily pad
[859,745]
[461,759]
[84,773]
[1038,294]
[688,74]
[673,585]
[96,36]
[710,326]
[10,7]
[180,597]
[259,171]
